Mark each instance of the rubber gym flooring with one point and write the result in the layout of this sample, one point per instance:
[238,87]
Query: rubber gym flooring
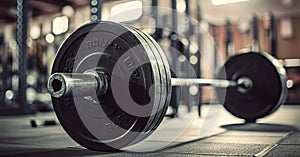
[216,133]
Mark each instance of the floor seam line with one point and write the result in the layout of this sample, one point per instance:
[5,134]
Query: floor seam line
[268,149]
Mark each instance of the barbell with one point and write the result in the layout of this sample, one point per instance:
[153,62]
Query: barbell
[111,85]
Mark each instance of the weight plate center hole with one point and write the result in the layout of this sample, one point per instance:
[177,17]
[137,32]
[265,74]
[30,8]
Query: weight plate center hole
[56,85]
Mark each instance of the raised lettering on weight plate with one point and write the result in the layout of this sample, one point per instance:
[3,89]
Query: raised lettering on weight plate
[129,64]
[68,101]
[69,65]
[115,46]
[97,42]
[122,119]
[109,127]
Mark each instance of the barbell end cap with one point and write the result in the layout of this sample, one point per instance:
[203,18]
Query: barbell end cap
[245,85]
[57,86]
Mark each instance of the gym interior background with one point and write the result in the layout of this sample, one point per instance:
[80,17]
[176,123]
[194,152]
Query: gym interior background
[209,33]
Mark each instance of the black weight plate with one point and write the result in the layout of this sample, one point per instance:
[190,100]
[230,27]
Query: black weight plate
[161,75]
[101,124]
[268,91]
[167,77]
[165,81]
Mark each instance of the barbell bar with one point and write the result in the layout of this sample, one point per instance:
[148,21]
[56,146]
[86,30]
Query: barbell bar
[84,84]
[111,85]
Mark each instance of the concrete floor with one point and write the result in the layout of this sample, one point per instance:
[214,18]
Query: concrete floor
[216,133]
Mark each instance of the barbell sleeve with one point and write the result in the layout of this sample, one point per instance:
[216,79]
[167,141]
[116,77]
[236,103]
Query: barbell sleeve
[77,84]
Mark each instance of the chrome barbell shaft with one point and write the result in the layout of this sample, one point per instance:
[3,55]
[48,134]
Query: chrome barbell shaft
[92,82]
[243,84]
[203,82]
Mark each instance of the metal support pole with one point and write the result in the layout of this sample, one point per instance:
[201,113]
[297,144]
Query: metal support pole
[187,53]
[157,35]
[174,16]
[22,23]
[175,44]
[255,42]
[273,35]
[198,54]
[96,10]
[228,40]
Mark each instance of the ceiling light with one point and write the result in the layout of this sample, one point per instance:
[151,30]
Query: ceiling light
[49,38]
[68,11]
[221,2]
[60,25]
[35,31]
[127,11]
